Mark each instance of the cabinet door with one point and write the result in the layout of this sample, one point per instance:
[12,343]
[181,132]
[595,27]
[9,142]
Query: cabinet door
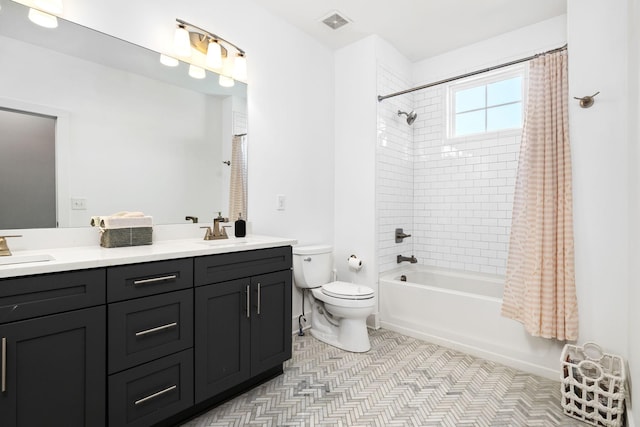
[55,370]
[270,320]
[222,327]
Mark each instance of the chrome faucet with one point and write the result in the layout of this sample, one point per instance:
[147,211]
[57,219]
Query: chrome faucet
[412,259]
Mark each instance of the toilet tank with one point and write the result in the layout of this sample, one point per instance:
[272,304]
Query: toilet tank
[312,265]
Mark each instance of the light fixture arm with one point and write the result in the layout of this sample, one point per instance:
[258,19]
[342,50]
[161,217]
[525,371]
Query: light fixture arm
[210,34]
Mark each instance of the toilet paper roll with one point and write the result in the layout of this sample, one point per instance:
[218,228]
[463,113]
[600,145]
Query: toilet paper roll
[355,263]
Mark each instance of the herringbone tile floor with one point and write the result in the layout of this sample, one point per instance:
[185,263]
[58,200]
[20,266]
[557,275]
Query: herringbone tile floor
[402,381]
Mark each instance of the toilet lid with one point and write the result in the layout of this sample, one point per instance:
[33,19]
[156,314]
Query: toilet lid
[347,290]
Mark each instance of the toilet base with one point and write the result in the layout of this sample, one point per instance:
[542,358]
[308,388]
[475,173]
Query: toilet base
[352,336]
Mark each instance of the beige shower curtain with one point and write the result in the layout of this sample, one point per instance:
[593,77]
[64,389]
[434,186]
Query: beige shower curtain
[540,287]
[238,181]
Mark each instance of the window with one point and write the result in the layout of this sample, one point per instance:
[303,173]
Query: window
[487,104]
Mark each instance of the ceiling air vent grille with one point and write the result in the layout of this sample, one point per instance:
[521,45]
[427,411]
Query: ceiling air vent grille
[335,20]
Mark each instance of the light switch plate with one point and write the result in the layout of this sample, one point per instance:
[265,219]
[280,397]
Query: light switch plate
[280,202]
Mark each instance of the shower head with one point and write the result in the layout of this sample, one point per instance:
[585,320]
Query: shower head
[411,117]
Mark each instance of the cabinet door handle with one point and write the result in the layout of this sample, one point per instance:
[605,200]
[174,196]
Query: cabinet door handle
[156,329]
[155,279]
[154,395]
[248,302]
[259,298]
[3,387]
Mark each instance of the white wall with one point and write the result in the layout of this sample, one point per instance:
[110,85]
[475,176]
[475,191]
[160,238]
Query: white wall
[634,208]
[354,158]
[394,166]
[600,146]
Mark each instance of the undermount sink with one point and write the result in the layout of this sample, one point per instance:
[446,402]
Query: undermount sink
[21,259]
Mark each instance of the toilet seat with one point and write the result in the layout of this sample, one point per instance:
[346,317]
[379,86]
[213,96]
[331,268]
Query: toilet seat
[349,291]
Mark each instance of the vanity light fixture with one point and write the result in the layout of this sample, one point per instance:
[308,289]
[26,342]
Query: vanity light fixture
[42,19]
[181,43]
[169,61]
[226,81]
[240,67]
[207,50]
[196,72]
[43,12]
[214,54]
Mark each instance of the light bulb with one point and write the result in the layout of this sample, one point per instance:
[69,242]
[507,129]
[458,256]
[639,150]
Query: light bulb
[169,61]
[226,81]
[240,68]
[43,19]
[181,42]
[196,72]
[214,55]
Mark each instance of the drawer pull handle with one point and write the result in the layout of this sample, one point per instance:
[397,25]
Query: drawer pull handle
[248,303]
[154,395]
[155,279]
[3,387]
[258,297]
[156,329]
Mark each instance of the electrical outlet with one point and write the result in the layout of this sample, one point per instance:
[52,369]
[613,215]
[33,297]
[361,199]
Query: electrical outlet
[78,204]
[280,202]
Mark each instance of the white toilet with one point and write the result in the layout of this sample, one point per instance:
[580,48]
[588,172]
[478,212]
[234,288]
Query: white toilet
[339,309]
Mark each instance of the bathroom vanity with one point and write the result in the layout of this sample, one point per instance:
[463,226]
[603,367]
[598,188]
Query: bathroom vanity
[141,336]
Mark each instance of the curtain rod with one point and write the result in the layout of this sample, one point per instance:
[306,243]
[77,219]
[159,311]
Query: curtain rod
[472,73]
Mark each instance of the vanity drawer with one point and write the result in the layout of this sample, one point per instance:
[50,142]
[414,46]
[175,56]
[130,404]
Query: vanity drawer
[236,265]
[32,296]
[141,330]
[152,392]
[138,280]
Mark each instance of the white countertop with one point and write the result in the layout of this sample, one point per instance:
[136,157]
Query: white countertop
[83,257]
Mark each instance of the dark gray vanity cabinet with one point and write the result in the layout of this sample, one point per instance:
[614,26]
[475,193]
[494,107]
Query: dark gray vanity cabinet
[53,358]
[242,317]
[141,344]
[150,341]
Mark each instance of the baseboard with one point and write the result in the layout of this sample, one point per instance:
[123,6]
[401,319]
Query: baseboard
[531,368]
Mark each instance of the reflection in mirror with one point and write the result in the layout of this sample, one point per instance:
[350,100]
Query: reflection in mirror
[130,133]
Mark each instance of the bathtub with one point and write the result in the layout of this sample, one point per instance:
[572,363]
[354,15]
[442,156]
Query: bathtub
[461,310]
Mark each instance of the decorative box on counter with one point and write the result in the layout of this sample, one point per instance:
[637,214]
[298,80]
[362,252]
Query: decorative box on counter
[124,229]
[119,237]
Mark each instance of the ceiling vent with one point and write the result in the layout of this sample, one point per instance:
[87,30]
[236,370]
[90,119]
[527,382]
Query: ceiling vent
[335,20]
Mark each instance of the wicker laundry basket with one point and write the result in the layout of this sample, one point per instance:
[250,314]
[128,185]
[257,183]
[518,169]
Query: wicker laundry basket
[593,385]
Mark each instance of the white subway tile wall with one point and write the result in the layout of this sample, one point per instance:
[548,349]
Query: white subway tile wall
[454,196]
[394,171]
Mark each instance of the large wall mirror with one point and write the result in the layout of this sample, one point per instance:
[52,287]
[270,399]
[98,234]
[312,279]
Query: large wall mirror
[129,134]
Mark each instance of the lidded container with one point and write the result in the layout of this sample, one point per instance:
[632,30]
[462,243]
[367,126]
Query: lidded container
[312,265]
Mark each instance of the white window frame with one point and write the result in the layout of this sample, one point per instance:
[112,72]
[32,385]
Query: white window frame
[519,70]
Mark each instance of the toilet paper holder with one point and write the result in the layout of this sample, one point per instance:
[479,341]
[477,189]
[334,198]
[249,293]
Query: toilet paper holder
[354,262]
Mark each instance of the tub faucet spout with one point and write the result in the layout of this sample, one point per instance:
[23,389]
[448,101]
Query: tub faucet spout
[412,259]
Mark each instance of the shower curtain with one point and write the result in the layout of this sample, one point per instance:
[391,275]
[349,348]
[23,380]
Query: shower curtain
[238,181]
[540,287]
